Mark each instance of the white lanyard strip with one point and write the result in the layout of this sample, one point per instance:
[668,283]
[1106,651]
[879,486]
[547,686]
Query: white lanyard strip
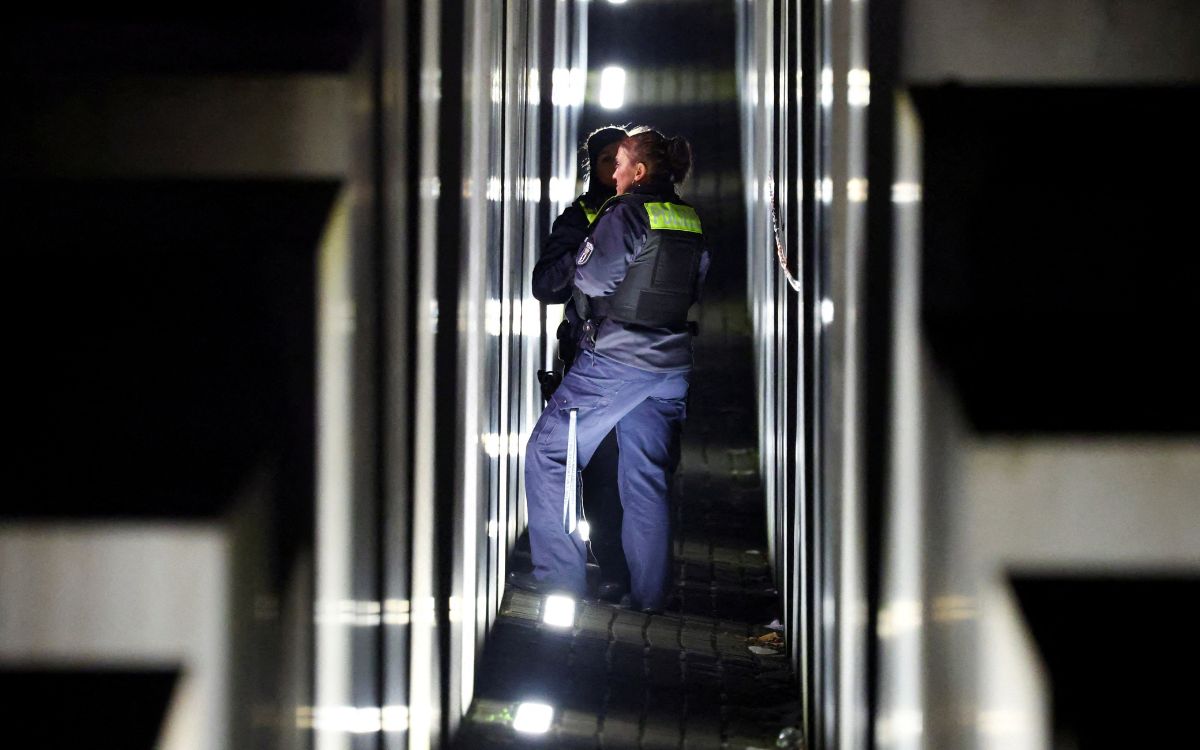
[570,510]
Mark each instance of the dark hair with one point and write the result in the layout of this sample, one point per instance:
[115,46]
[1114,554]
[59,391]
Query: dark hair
[596,142]
[670,157]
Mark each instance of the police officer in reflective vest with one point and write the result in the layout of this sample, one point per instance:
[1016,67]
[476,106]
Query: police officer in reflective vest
[640,268]
[553,278]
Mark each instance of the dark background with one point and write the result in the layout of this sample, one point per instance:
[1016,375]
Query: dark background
[1061,256]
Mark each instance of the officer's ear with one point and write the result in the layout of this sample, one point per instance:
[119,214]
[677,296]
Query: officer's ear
[639,171]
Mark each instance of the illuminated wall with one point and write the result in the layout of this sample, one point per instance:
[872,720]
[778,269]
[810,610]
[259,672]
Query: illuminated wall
[805,92]
[429,344]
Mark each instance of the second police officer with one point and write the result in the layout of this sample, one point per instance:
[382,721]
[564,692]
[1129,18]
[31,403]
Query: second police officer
[553,277]
[637,272]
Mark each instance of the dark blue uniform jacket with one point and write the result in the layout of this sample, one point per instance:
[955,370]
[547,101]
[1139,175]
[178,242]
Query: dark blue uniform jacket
[554,272]
[617,237]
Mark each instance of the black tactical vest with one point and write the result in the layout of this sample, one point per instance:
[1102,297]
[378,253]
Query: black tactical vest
[660,284]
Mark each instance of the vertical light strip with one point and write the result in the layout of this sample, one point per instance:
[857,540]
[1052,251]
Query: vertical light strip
[769,292]
[334,522]
[848,116]
[899,725]
[570,57]
[512,208]
[787,300]
[423,656]
[480,70]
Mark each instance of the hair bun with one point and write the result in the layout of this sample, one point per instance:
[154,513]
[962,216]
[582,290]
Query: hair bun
[679,156]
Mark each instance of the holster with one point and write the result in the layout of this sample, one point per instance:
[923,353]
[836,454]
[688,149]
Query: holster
[549,381]
[568,347]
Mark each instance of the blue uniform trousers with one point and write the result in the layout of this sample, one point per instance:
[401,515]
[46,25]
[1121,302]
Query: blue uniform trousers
[648,409]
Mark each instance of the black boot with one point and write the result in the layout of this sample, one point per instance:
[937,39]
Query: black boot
[612,591]
[525,580]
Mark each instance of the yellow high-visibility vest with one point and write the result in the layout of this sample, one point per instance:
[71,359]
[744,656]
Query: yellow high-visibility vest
[589,213]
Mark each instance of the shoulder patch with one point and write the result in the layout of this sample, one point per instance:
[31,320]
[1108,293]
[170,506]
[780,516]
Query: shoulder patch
[585,252]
